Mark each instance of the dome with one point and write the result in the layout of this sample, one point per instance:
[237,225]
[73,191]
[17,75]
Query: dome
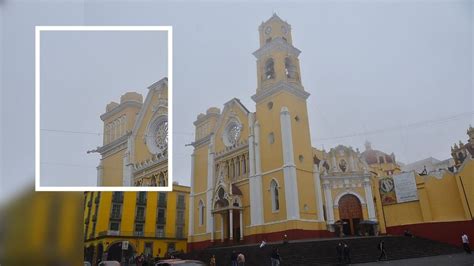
[375,156]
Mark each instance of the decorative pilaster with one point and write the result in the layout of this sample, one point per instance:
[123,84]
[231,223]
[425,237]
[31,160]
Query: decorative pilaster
[210,179]
[369,198]
[222,228]
[127,173]
[351,162]
[100,170]
[231,225]
[329,205]
[191,200]
[319,194]
[241,225]
[255,176]
[289,168]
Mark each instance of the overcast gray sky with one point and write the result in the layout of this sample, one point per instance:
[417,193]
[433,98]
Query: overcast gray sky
[368,66]
[81,72]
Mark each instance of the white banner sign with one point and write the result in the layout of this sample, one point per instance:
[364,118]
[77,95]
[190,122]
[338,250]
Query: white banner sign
[405,187]
[124,245]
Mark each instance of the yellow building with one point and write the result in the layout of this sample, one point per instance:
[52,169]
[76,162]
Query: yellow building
[135,143]
[255,175]
[153,223]
[41,228]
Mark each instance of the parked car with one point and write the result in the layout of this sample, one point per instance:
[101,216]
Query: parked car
[109,263]
[179,262]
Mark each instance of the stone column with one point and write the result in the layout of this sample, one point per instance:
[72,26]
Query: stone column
[212,229]
[222,228]
[289,168]
[329,205]
[231,225]
[369,198]
[241,225]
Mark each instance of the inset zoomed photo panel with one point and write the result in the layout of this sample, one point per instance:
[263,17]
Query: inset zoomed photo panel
[102,101]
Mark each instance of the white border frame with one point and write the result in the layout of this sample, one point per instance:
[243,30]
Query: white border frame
[38,30]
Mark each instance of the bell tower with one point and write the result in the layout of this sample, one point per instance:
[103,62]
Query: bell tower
[280,135]
[277,58]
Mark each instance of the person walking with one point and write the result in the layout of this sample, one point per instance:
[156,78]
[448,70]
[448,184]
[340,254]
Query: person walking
[275,257]
[339,250]
[233,258]
[381,247]
[347,253]
[213,261]
[241,259]
[465,243]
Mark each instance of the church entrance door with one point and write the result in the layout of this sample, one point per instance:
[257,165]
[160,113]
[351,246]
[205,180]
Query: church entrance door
[350,212]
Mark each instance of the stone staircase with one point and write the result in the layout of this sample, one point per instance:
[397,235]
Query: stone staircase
[323,251]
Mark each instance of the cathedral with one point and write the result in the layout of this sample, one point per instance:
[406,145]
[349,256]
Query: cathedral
[255,175]
[135,142]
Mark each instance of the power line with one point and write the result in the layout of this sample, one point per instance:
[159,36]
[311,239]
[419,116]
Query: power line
[394,128]
[101,134]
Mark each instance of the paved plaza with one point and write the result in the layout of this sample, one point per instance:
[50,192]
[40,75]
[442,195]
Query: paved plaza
[460,259]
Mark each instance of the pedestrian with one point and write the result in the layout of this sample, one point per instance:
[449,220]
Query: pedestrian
[275,257]
[381,247]
[241,259]
[263,243]
[285,239]
[465,243]
[339,249]
[213,261]
[139,260]
[233,258]
[347,254]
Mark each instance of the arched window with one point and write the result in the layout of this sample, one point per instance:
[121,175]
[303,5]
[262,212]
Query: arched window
[237,166]
[275,198]
[232,169]
[201,212]
[269,69]
[161,180]
[244,165]
[290,69]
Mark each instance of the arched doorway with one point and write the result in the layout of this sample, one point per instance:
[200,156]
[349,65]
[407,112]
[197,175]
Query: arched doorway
[89,253]
[350,213]
[100,251]
[116,253]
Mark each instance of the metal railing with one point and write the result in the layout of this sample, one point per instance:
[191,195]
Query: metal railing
[142,234]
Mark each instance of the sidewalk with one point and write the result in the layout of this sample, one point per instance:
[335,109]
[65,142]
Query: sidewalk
[461,259]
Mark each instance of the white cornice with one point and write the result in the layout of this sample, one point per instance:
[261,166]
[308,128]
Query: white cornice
[279,45]
[112,145]
[294,89]
[201,141]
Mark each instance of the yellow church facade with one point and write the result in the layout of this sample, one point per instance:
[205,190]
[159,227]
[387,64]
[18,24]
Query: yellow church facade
[255,175]
[135,139]
[152,223]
